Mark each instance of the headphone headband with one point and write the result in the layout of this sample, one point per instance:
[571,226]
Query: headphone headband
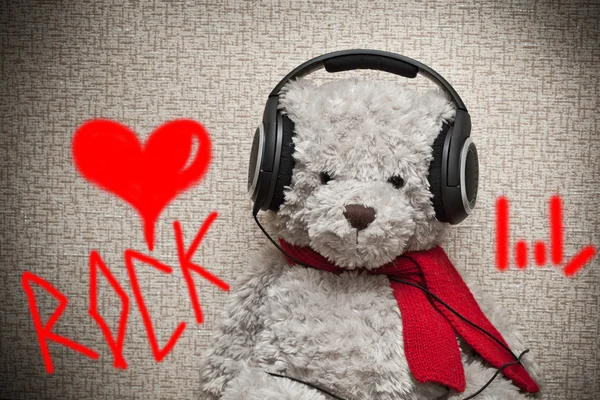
[347,60]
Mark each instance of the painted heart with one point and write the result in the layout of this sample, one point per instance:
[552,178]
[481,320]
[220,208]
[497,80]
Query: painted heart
[149,176]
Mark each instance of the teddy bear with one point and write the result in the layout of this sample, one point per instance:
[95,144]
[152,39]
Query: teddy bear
[359,198]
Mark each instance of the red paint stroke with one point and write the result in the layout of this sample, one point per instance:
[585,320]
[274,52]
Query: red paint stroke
[579,260]
[116,347]
[540,253]
[521,254]
[556,230]
[185,260]
[539,249]
[502,216]
[158,353]
[44,331]
[147,177]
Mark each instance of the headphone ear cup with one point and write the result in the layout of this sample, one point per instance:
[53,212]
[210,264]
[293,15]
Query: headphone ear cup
[286,163]
[435,173]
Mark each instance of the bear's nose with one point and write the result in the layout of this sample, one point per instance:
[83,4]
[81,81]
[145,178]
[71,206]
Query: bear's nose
[359,216]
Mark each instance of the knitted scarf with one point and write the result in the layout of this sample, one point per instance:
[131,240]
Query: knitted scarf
[429,329]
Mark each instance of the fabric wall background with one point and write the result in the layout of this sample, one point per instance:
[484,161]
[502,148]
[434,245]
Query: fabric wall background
[527,70]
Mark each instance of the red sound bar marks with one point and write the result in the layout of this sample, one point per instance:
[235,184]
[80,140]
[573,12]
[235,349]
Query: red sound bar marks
[540,253]
[521,254]
[502,233]
[556,230]
[579,260]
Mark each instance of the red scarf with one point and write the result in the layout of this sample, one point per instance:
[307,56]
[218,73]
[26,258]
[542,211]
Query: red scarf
[429,328]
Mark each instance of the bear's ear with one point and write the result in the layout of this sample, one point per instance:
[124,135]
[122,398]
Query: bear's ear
[297,84]
[296,96]
[441,108]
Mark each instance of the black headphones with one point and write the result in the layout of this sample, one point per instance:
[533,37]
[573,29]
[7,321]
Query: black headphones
[453,171]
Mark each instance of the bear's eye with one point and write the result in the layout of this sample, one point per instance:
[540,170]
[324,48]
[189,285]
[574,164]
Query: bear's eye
[396,181]
[325,177]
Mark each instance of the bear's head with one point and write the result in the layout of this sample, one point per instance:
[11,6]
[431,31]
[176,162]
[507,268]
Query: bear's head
[360,193]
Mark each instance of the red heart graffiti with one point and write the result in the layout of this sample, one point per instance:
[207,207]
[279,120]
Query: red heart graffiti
[147,177]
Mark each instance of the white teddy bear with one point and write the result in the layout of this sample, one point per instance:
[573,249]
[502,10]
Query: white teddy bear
[359,199]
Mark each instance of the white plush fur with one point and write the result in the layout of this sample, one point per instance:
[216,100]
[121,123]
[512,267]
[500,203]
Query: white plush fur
[344,332]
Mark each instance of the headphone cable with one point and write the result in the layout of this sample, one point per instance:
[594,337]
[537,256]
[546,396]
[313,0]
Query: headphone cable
[474,325]
[498,370]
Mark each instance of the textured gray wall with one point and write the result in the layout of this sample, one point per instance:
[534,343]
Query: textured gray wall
[528,71]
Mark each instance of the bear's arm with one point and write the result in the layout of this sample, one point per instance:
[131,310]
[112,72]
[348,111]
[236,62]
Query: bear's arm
[255,384]
[233,341]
